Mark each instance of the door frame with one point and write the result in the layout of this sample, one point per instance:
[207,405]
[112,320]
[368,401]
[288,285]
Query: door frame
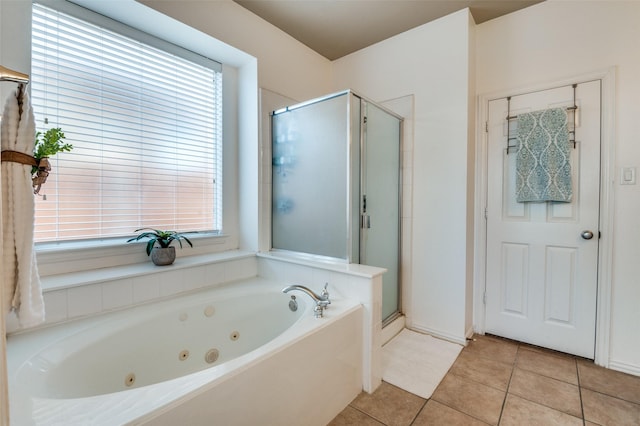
[607,182]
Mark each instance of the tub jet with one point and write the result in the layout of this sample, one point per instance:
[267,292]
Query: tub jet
[129,380]
[211,356]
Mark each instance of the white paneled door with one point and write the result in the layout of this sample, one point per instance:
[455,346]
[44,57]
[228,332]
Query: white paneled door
[541,262]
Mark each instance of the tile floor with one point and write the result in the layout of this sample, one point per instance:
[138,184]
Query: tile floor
[501,382]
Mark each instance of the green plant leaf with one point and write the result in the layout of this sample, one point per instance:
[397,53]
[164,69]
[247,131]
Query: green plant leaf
[162,238]
[48,144]
[150,245]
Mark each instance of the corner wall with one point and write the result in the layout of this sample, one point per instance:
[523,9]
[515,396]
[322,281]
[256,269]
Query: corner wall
[437,73]
[556,40]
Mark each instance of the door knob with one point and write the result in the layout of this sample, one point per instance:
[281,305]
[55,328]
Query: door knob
[587,235]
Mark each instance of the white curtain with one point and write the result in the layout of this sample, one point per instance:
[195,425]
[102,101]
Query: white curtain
[21,282]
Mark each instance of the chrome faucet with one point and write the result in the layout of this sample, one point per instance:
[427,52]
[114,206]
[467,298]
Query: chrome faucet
[322,300]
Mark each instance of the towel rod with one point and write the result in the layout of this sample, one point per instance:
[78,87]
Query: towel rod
[511,117]
[7,74]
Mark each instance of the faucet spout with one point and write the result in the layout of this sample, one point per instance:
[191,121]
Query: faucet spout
[322,300]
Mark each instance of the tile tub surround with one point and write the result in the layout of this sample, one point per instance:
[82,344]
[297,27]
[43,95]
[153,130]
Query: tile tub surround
[359,283]
[83,294]
[497,381]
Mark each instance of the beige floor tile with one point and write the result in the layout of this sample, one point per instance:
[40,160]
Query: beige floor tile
[473,398]
[483,370]
[352,417]
[610,382]
[558,367]
[606,410]
[494,348]
[390,405]
[544,390]
[521,412]
[436,414]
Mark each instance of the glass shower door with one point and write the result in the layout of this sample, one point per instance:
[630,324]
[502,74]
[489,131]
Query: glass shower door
[336,185]
[380,204]
[310,178]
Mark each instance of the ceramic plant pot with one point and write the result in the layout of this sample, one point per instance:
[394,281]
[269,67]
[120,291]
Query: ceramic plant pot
[163,256]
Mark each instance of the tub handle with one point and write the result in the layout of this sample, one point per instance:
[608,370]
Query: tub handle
[293,304]
[325,293]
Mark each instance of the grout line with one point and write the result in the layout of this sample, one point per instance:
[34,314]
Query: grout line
[584,420]
[612,396]
[506,393]
[368,415]
[419,411]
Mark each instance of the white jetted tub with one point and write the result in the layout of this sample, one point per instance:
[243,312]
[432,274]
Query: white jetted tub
[231,355]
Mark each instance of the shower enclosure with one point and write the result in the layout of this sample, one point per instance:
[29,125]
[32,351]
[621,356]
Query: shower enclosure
[336,189]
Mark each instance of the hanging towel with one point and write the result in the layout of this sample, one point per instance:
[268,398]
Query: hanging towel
[543,169]
[21,281]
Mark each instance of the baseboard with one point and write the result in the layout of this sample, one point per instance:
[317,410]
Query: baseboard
[624,367]
[392,329]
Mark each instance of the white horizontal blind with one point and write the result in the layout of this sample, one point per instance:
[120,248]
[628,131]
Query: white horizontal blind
[146,129]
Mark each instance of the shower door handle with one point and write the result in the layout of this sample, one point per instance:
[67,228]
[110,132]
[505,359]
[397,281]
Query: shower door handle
[366,221]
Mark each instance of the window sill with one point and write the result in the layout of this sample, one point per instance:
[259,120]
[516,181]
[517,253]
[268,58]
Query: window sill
[97,276]
[91,257]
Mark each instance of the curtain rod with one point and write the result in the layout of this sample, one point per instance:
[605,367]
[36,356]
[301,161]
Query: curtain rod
[7,74]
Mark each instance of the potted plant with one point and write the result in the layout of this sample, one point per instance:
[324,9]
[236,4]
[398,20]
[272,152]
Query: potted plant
[165,254]
[47,145]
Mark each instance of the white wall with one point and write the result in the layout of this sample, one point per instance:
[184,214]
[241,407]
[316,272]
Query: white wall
[285,65]
[420,63]
[555,40]
[14,38]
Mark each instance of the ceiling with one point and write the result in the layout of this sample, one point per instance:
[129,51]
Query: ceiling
[335,28]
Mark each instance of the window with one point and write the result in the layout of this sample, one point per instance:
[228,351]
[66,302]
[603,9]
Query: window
[145,124]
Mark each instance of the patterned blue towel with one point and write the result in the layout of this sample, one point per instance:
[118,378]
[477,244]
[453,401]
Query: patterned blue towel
[543,170]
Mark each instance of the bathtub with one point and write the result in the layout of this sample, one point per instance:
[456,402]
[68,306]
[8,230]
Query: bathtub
[231,355]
